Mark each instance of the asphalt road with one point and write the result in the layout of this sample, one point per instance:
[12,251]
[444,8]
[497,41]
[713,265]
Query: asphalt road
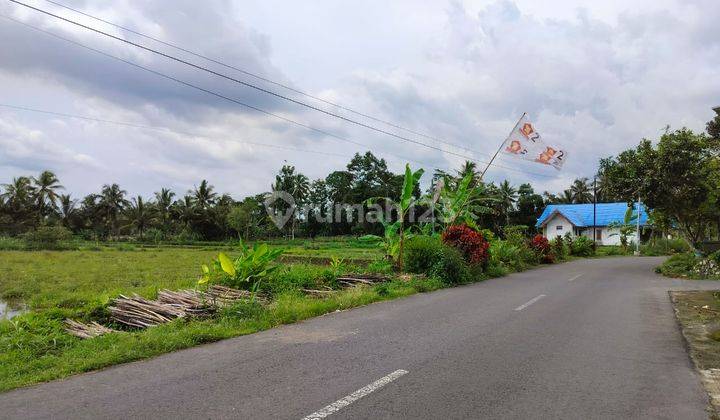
[587,339]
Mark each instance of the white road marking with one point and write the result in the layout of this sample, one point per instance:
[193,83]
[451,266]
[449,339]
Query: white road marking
[344,402]
[574,278]
[530,302]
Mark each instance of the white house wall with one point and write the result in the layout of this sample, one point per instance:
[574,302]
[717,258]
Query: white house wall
[607,238]
[551,228]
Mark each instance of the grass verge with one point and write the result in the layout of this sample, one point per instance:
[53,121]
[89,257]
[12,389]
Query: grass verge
[698,313]
[34,349]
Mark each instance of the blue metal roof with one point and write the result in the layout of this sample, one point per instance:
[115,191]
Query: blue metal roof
[581,215]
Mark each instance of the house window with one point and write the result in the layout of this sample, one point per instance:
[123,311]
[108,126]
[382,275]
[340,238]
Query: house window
[559,227]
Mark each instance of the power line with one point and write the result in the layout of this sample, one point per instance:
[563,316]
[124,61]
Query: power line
[262,78]
[243,83]
[219,95]
[164,129]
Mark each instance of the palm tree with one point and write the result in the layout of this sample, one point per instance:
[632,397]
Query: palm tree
[508,197]
[18,197]
[18,192]
[46,196]
[67,209]
[139,214]
[469,168]
[581,191]
[163,204]
[295,184]
[185,211]
[112,201]
[203,196]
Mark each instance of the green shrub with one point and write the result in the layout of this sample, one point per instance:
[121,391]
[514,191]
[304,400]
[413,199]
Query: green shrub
[660,246]
[558,246]
[505,254]
[11,244]
[679,265]
[715,256]
[427,255]
[582,246]
[48,237]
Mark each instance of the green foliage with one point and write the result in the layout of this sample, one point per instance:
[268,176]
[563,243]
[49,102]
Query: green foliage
[678,265]
[559,249]
[48,237]
[660,246]
[505,254]
[427,255]
[677,178]
[461,202]
[245,271]
[627,227]
[582,246]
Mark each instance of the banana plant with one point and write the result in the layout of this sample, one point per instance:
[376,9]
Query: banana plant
[464,202]
[625,228]
[247,270]
[395,235]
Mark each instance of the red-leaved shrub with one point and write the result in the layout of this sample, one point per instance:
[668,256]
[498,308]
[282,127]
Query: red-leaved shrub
[542,249]
[469,242]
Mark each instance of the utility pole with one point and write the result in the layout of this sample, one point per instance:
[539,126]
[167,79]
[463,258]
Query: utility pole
[637,243]
[594,211]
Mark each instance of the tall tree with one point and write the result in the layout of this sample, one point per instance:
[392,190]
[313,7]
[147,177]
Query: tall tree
[508,196]
[581,191]
[204,195]
[46,196]
[713,126]
[296,185]
[68,210]
[140,215]
[163,205]
[113,202]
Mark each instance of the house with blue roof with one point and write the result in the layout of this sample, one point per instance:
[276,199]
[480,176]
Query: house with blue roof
[577,220]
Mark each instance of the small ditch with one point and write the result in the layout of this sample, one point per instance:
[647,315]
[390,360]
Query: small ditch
[9,310]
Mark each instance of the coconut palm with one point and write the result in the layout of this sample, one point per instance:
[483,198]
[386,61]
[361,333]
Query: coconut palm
[469,169]
[18,192]
[163,206]
[140,215]
[113,202]
[67,209]
[185,211]
[508,197]
[46,196]
[581,191]
[204,196]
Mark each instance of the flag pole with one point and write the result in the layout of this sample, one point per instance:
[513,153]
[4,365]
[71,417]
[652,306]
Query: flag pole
[501,146]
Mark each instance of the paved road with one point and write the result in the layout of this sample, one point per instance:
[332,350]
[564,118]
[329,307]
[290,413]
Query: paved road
[587,339]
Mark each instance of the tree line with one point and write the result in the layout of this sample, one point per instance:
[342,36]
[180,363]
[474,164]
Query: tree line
[678,178]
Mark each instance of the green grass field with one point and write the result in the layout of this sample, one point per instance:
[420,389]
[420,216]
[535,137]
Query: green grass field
[56,285]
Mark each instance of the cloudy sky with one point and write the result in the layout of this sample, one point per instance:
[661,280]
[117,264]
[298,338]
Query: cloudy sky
[596,77]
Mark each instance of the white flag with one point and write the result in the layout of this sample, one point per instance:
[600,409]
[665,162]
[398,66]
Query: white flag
[525,143]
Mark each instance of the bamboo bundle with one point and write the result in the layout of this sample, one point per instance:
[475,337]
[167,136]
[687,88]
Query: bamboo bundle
[191,302]
[143,313]
[79,329]
[224,296]
[362,279]
[319,293]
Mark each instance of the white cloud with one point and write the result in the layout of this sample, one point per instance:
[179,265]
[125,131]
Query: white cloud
[595,76]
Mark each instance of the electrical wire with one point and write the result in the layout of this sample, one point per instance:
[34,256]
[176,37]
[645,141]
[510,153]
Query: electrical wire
[243,83]
[262,78]
[219,95]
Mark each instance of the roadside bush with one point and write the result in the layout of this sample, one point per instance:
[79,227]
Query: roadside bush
[558,246]
[515,234]
[715,256]
[582,246]
[11,244]
[471,243]
[660,246]
[505,254]
[679,265]
[48,237]
[541,247]
[427,255]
